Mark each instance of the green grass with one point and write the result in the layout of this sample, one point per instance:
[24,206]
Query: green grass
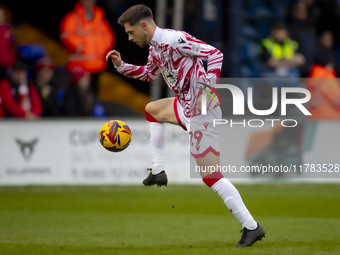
[299,219]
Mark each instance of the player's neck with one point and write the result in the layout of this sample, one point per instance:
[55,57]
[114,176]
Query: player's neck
[152,30]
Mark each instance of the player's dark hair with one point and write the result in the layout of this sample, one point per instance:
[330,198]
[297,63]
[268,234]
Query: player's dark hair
[135,14]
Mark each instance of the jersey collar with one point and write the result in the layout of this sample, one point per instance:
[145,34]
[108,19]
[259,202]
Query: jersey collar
[157,36]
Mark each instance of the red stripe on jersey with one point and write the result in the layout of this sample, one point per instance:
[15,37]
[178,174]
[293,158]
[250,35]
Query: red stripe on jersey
[138,71]
[192,39]
[204,153]
[177,115]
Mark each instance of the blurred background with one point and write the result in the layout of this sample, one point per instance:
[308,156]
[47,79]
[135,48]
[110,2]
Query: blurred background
[57,91]
[53,71]
[242,30]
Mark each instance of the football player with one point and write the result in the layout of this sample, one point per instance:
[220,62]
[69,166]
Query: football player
[179,57]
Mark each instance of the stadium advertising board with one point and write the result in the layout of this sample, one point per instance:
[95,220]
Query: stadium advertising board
[69,152]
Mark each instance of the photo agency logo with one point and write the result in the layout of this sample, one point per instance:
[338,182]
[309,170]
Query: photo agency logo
[239,100]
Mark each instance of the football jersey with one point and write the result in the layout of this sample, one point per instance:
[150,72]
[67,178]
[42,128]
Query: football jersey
[179,57]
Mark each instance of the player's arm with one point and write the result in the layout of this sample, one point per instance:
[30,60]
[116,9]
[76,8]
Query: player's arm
[196,48]
[149,72]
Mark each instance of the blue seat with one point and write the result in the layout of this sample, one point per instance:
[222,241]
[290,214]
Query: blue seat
[60,97]
[250,33]
[99,111]
[279,7]
[250,51]
[32,52]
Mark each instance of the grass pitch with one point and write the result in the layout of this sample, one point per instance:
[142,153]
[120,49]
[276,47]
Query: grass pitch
[299,219]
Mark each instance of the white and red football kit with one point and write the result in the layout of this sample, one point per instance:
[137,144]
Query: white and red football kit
[179,57]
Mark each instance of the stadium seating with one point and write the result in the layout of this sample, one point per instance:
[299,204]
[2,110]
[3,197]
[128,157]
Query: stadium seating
[258,16]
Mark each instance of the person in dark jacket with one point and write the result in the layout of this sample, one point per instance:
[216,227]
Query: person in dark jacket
[79,99]
[51,93]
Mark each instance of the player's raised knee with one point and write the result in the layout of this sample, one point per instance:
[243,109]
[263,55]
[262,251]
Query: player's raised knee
[150,107]
[151,112]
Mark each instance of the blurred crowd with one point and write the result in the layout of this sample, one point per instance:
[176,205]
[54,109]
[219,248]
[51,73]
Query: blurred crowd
[301,40]
[298,38]
[30,90]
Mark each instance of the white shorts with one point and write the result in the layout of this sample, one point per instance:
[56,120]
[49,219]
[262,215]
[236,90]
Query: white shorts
[204,137]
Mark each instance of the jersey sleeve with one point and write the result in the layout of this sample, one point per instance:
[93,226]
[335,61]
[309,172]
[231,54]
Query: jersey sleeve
[148,73]
[190,46]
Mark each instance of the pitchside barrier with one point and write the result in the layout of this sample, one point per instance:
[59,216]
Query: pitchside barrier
[51,152]
[69,152]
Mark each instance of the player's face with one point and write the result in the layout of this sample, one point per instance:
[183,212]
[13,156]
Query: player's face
[137,34]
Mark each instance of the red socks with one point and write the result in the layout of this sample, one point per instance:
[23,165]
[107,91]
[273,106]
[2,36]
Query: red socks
[212,178]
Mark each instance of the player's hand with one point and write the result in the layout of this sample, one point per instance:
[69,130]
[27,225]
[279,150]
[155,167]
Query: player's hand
[115,58]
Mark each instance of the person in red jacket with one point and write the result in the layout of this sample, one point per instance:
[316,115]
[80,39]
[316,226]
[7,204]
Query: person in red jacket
[87,36]
[20,96]
[7,46]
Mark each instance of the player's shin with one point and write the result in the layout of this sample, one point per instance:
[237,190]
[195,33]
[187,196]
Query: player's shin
[157,143]
[231,197]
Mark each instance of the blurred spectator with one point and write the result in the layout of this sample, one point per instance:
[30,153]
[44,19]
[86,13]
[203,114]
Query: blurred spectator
[7,46]
[323,84]
[325,91]
[79,100]
[280,54]
[20,96]
[301,29]
[87,36]
[326,53]
[313,11]
[329,18]
[51,94]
